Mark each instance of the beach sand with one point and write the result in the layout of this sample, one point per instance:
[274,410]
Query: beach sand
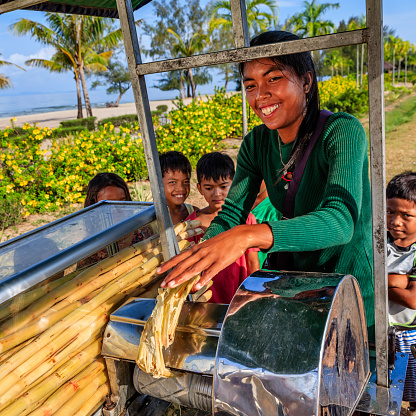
[53,118]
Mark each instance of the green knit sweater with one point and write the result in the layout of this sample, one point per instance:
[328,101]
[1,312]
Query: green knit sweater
[331,231]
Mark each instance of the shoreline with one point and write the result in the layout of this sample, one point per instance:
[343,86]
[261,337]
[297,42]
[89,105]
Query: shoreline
[52,119]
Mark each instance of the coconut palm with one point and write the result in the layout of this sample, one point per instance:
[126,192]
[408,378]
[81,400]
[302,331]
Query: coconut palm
[409,48]
[354,24]
[391,47]
[76,40]
[186,48]
[261,15]
[5,81]
[310,23]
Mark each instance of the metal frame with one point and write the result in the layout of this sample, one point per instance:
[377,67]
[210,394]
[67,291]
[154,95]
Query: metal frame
[17,283]
[372,35]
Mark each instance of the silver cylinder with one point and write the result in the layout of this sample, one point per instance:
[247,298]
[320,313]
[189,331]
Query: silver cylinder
[187,389]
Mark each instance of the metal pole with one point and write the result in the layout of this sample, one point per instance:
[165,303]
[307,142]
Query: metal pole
[241,40]
[131,45]
[378,182]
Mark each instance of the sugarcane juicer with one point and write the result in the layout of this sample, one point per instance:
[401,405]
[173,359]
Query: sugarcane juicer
[288,344]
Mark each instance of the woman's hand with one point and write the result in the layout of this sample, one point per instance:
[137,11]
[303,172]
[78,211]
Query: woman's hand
[215,254]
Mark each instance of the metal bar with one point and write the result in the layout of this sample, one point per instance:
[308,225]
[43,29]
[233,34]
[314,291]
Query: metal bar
[27,278]
[240,26]
[18,4]
[378,180]
[131,45]
[255,52]
[241,40]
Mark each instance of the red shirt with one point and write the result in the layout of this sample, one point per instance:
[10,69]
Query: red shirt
[227,281]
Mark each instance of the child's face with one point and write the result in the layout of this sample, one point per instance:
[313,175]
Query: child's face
[111,193]
[215,192]
[401,221]
[177,187]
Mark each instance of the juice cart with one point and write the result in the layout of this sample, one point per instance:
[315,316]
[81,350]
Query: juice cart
[228,363]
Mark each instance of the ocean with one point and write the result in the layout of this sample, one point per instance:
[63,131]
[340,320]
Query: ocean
[34,103]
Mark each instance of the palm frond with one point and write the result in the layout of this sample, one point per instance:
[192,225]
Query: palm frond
[5,82]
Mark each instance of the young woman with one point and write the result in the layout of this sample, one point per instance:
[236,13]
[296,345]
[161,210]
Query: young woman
[330,229]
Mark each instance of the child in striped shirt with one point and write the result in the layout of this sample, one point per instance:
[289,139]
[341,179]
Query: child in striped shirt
[401,263]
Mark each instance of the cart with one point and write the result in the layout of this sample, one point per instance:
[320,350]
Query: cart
[378,386]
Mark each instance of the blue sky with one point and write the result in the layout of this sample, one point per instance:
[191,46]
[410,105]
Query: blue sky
[400,15]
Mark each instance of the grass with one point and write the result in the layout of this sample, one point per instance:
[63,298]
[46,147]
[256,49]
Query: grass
[403,113]
[401,137]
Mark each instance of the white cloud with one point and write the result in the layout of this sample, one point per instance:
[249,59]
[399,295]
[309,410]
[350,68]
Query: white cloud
[19,59]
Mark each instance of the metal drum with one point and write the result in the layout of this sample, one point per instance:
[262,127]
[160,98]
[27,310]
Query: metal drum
[292,344]
[288,344]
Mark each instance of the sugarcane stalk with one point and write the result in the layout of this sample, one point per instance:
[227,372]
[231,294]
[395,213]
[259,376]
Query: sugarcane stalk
[95,401]
[97,336]
[65,290]
[12,340]
[75,403]
[159,330]
[108,298]
[189,233]
[60,305]
[54,381]
[44,363]
[15,305]
[56,336]
[14,350]
[96,370]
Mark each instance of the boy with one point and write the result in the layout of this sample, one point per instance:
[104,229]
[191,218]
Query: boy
[401,262]
[176,174]
[215,172]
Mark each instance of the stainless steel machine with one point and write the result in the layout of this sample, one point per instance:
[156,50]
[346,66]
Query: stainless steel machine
[288,344]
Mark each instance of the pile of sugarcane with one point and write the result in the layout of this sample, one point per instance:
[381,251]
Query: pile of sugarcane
[50,338]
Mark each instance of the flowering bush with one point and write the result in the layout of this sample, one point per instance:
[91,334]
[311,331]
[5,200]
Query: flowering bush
[199,127]
[44,178]
[341,94]
[41,172]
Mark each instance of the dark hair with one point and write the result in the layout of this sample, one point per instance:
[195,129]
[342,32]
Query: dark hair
[299,64]
[403,186]
[215,166]
[175,162]
[101,181]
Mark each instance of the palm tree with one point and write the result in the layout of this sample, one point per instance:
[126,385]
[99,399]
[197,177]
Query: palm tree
[5,81]
[332,59]
[309,23]
[188,48]
[76,40]
[258,18]
[392,45]
[354,24]
[408,48]
[261,15]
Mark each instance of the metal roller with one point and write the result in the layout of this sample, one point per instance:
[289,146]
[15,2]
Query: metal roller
[288,344]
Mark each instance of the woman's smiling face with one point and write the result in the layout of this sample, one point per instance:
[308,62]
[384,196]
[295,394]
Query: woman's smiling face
[277,96]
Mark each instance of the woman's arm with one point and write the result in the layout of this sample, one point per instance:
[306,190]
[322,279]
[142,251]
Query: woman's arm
[215,254]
